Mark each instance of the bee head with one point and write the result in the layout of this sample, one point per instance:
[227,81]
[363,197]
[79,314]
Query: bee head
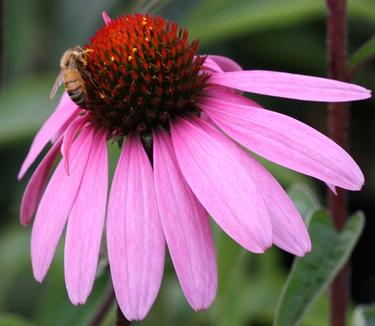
[76,55]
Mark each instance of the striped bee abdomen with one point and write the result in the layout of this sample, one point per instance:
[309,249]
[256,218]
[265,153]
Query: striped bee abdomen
[75,86]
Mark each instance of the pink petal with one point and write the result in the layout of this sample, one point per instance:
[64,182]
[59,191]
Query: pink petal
[63,112]
[135,238]
[213,66]
[222,184]
[225,63]
[288,229]
[64,126]
[220,94]
[85,223]
[35,186]
[285,141]
[69,137]
[186,227]
[65,103]
[332,188]
[106,18]
[210,64]
[55,206]
[293,86]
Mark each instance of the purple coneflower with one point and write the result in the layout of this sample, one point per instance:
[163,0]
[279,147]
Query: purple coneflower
[145,82]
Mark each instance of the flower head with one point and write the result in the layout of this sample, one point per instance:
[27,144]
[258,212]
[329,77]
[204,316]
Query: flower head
[145,81]
[146,74]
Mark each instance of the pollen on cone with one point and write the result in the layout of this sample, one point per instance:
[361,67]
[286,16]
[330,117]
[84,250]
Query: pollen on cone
[143,72]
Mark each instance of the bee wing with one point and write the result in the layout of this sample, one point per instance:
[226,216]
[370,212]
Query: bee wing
[95,84]
[58,82]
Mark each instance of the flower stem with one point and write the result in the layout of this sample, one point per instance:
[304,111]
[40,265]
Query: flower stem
[104,307]
[338,128]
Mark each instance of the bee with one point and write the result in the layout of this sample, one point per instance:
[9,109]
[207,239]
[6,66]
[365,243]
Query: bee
[72,65]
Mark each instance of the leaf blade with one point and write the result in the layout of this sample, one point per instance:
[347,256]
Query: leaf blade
[248,17]
[24,105]
[364,315]
[305,200]
[7,319]
[311,275]
[363,55]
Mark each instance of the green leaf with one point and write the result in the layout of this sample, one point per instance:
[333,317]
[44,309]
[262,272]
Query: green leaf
[13,320]
[304,199]
[228,19]
[148,6]
[364,315]
[53,304]
[248,16]
[312,274]
[248,283]
[230,260]
[363,10]
[24,105]
[363,55]
[14,257]
[286,177]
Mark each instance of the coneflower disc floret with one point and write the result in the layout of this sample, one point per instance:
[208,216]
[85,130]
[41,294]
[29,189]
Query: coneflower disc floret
[142,72]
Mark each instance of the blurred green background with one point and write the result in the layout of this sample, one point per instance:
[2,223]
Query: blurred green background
[286,35]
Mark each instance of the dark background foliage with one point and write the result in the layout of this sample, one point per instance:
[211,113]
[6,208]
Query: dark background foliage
[286,35]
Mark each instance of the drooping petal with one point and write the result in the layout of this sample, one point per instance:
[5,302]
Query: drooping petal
[286,141]
[288,229]
[85,223]
[186,227]
[225,63]
[34,188]
[55,206]
[222,184]
[64,102]
[63,112]
[68,139]
[293,86]
[135,238]
[106,18]
[63,128]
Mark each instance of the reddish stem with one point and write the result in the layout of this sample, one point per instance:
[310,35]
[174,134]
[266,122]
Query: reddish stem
[103,308]
[338,126]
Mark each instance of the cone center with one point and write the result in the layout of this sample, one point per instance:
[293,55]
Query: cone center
[141,73]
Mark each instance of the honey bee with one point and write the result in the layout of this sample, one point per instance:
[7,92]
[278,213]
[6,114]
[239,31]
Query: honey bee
[72,65]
